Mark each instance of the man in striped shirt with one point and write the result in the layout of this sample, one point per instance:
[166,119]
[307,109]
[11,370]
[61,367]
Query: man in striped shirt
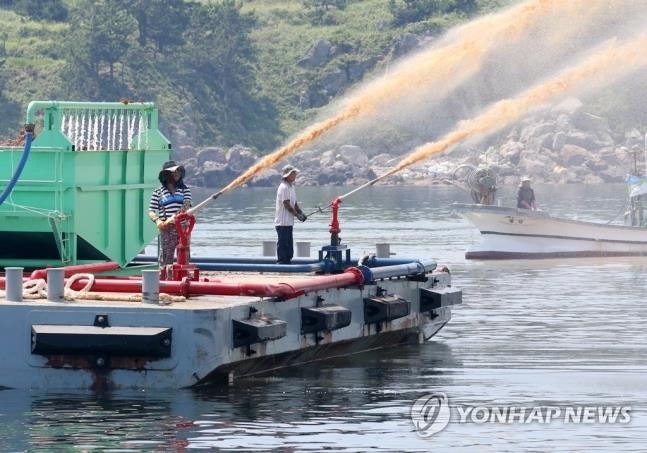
[287,209]
[171,198]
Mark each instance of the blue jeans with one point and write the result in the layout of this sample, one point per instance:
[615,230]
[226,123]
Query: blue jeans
[284,245]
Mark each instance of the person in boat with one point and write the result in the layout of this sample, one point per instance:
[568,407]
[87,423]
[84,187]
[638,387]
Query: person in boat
[526,195]
[483,186]
[169,199]
[287,208]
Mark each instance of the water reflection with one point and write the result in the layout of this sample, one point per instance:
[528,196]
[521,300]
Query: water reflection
[92,422]
[366,390]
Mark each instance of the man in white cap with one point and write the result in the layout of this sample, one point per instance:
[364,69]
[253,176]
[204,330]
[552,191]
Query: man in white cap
[287,209]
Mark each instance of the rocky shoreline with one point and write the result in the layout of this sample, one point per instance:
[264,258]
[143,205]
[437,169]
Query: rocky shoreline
[562,145]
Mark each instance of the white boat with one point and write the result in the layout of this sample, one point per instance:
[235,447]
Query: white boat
[512,233]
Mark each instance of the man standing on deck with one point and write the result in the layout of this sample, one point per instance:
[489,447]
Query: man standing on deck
[287,209]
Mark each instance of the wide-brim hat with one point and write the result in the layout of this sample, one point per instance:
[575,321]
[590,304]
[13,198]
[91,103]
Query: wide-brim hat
[285,172]
[171,166]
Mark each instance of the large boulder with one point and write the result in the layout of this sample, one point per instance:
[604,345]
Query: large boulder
[318,55]
[240,158]
[353,155]
[216,174]
[573,155]
[589,122]
[211,154]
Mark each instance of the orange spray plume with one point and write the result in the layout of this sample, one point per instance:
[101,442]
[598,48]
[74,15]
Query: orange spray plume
[447,66]
[612,61]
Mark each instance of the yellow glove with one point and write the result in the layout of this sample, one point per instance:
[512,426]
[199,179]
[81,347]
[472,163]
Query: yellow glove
[161,225]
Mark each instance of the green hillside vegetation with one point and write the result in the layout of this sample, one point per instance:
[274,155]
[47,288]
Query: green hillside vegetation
[222,72]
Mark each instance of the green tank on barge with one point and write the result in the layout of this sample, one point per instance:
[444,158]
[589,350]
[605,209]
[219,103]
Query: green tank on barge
[86,181]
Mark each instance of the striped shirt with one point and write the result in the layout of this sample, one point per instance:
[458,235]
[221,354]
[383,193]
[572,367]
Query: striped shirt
[167,204]
[285,191]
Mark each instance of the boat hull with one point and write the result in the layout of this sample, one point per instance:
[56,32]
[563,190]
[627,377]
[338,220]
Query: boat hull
[510,233]
[114,344]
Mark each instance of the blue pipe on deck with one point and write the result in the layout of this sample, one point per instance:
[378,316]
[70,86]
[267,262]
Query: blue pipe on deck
[398,270]
[371,261]
[21,166]
[229,259]
[373,268]
[401,270]
[286,268]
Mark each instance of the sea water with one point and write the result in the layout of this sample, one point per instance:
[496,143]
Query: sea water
[531,339]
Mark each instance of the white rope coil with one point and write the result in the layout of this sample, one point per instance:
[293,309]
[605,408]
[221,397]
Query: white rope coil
[37,289]
[71,294]
[34,289]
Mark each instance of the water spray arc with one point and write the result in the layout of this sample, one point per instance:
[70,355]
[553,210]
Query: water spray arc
[609,63]
[446,66]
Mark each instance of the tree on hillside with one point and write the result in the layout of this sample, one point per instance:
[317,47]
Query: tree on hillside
[98,46]
[325,4]
[409,11]
[217,66]
[54,10]
[9,110]
[468,7]
[162,22]
[319,11]
[3,61]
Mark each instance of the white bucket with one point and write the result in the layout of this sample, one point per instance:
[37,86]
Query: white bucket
[303,249]
[383,250]
[269,248]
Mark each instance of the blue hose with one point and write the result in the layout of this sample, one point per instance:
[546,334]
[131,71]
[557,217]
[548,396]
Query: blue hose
[21,166]
[287,268]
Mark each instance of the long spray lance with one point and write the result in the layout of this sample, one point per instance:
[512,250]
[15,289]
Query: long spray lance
[334,222]
[184,223]
[318,210]
[335,229]
[363,186]
[203,203]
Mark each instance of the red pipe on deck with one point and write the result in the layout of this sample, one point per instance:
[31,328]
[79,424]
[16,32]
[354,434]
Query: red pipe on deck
[186,287]
[90,268]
